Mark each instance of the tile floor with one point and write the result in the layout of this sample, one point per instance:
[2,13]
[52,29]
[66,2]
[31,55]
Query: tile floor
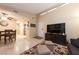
[19,46]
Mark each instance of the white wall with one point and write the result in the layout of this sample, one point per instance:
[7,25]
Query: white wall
[68,14]
[33,30]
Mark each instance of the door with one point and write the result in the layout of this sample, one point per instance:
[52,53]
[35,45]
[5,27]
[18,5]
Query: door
[41,29]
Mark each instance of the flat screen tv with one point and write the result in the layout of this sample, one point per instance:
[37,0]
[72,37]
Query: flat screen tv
[56,28]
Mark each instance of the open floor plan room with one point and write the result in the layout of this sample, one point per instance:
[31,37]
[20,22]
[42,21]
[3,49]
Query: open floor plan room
[39,29]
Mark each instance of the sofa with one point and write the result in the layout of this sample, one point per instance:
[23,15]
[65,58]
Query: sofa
[73,47]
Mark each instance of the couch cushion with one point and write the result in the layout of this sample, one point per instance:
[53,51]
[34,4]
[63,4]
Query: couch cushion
[75,42]
[73,50]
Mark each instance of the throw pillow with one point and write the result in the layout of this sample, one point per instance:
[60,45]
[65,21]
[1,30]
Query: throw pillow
[75,42]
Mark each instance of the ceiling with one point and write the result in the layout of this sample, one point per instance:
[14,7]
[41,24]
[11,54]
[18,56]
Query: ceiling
[32,8]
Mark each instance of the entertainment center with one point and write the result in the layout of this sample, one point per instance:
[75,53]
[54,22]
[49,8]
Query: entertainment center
[56,33]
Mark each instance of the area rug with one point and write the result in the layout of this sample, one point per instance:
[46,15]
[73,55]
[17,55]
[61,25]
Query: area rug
[56,49]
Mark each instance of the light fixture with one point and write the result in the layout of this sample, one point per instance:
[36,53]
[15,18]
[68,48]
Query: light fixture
[43,13]
[3,19]
[52,9]
[3,23]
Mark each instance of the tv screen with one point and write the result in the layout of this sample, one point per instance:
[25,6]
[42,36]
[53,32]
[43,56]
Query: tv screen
[56,28]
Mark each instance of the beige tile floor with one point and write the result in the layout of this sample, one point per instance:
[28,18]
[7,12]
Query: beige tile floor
[19,46]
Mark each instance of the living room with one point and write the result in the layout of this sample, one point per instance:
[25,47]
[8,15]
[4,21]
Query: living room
[41,28]
[67,14]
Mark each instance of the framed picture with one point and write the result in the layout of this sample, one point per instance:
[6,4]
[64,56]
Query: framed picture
[33,25]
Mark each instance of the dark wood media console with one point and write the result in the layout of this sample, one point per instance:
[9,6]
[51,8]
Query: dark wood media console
[56,38]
